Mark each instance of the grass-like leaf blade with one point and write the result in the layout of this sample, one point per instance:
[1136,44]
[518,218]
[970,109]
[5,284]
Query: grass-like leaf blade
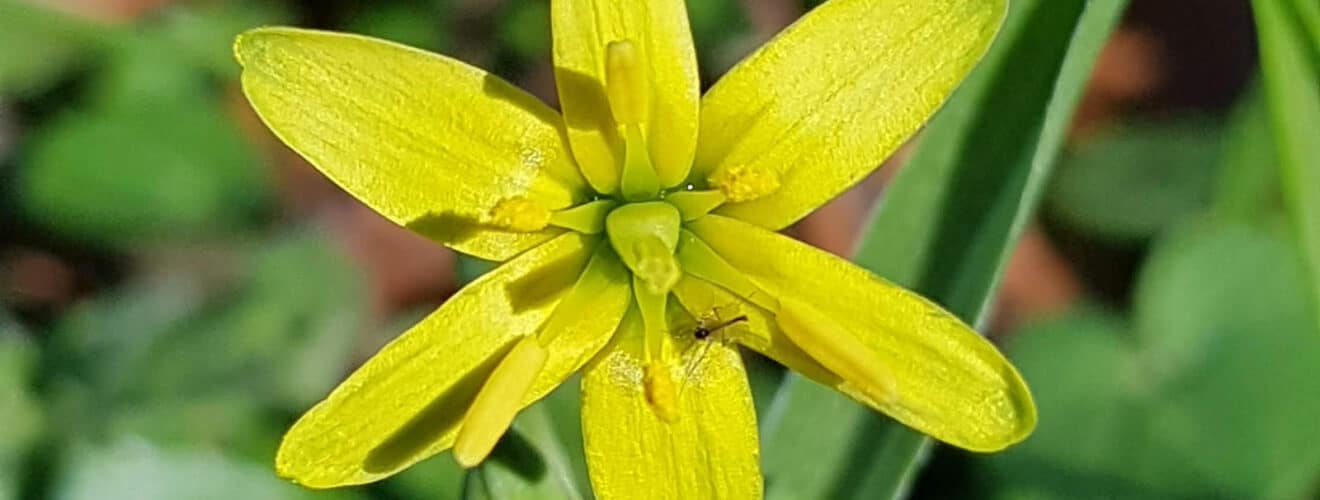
[1290,62]
[946,228]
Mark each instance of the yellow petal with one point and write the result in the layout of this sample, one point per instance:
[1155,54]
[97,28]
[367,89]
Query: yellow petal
[406,403]
[429,142]
[831,97]
[658,29]
[710,451]
[949,382]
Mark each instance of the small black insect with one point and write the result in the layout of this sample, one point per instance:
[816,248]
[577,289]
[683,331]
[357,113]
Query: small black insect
[703,332]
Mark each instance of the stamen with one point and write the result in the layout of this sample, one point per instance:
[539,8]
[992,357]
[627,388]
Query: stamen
[832,346]
[520,214]
[587,218]
[639,181]
[627,88]
[658,382]
[700,260]
[740,183]
[694,204]
[626,84]
[498,402]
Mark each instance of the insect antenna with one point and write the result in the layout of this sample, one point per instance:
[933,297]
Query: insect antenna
[702,334]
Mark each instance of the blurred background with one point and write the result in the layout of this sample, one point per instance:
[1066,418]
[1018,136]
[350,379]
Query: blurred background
[176,286]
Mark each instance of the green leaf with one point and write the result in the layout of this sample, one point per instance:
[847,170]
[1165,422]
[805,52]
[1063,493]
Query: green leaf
[437,478]
[529,463]
[1248,186]
[133,469]
[1211,381]
[946,228]
[40,46]
[204,32]
[153,156]
[411,22]
[525,30]
[20,410]
[284,337]
[1291,66]
[98,345]
[564,408]
[1133,182]
[102,351]
[722,35]
[164,360]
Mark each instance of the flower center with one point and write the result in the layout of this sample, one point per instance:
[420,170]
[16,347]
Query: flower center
[643,222]
[645,236]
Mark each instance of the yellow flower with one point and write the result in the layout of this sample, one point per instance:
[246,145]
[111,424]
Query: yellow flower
[642,191]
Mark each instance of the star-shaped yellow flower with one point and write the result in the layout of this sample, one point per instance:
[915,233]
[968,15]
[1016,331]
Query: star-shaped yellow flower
[642,191]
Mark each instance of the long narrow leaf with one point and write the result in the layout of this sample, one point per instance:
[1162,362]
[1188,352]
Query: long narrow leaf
[1290,62]
[946,228]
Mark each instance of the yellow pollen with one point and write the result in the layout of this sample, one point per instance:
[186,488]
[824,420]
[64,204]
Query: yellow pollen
[740,183]
[660,393]
[626,84]
[498,402]
[520,214]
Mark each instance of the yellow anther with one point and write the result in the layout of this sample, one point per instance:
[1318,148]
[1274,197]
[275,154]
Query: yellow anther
[520,214]
[740,183]
[838,350]
[498,402]
[626,85]
[658,382]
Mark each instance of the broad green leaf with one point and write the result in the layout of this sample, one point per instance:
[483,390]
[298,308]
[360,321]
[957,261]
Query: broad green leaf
[1136,180]
[529,463]
[168,361]
[153,156]
[132,469]
[1291,67]
[946,228]
[100,352]
[722,35]
[20,410]
[40,46]
[204,32]
[525,30]
[437,478]
[99,343]
[1200,397]
[282,338]
[413,23]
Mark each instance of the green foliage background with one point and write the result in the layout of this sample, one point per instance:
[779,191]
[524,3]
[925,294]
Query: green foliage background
[210,313]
